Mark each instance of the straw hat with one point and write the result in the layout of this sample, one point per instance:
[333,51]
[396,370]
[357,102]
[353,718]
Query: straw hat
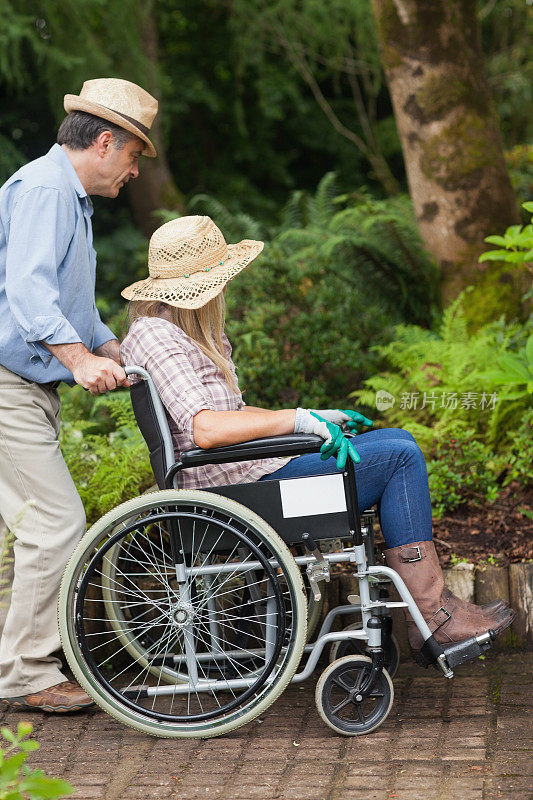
[118,101]
[189,263]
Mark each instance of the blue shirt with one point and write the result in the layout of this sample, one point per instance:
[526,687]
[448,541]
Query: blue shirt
[47,268]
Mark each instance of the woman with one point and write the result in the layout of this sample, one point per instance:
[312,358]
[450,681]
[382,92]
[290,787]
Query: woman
[177,333]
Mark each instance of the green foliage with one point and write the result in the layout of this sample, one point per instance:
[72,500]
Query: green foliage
[515,371]
[466,469]
[448,376]
[515,246]
[23,33]
[507,29]
[17,781]
[368,242]
[519,160]
[329,286]
[331,50]
[104,449]
[455,560]
[122,256]
[60,37]
[447,393]
[463,469]
[516,460]
[10,158]
[235,226]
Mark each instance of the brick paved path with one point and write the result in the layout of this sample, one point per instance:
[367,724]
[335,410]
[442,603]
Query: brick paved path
[465,739]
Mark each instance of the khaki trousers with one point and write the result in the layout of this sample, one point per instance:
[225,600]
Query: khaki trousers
[40,504]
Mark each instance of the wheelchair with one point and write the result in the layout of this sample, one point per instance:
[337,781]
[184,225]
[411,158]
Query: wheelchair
[184,613]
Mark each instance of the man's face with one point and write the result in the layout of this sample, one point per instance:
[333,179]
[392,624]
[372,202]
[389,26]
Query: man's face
[117,167]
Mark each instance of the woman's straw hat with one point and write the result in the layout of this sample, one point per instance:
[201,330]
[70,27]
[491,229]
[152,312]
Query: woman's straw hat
[118,101]
[189,263]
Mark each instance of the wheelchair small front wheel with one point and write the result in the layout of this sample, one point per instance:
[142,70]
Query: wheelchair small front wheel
[357,647]
[342,707]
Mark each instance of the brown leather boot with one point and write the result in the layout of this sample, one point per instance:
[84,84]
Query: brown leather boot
[492,609]
[63,698]
[494,605]
[449,618]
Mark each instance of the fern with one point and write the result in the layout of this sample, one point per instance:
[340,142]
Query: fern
[294,212]
[442,364]
[234,226]
[370,243]
[323,206]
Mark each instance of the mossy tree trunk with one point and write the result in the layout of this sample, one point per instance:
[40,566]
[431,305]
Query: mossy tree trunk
[452,147]
[155,187]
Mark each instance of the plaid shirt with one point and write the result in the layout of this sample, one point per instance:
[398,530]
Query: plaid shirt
[187,382]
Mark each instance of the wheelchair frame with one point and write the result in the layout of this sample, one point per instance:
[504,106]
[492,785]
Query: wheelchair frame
[372,602]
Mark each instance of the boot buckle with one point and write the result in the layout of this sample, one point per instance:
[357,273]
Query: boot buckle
[434,619]
[418,556]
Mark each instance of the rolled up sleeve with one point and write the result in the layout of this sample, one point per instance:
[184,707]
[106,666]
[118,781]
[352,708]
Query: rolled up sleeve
[34,254]
[182,394]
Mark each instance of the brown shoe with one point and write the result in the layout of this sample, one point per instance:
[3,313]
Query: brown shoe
[63,698]
[449,618]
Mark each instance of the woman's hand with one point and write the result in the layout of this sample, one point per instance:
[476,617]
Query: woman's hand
[335,443]
[347,420]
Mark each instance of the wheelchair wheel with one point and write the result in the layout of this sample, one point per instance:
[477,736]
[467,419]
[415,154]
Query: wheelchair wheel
[315,609]
[357,647]
[340,705]
[119,560]
[209,619]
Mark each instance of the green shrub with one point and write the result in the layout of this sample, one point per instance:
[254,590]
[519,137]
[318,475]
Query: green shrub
[463,469]
[335,277]
[444,383]
[516,461]
[104,449]
[467,401]
[17,781]
[122,258]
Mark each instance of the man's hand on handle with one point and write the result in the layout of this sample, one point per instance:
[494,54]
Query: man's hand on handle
[94,371]
[99,375]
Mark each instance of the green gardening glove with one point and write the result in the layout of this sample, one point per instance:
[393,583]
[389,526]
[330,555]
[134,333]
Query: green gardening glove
[336,444]
[345,419]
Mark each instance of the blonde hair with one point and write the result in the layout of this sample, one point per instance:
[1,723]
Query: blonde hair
[205,326]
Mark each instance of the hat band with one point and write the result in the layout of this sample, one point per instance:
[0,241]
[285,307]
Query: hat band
[139,125]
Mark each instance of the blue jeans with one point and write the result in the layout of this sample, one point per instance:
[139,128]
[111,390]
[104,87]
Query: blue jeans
[392,473]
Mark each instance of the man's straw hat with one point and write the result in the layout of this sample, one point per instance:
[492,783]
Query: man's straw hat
[118,101]
[189,263]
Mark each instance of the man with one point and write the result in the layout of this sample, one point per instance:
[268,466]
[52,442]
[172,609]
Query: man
[50,331]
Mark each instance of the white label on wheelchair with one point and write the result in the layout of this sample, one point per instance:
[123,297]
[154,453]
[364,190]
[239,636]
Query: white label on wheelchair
[306,497]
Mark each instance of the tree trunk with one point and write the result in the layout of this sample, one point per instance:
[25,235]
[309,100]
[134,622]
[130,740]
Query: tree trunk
[451,142]
[155,187]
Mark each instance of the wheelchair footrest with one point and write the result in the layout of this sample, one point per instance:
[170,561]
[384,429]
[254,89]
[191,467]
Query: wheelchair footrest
[461,652]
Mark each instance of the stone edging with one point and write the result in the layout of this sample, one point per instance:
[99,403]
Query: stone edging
[475,583]
[482,583]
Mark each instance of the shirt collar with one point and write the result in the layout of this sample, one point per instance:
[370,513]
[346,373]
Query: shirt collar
[57,154]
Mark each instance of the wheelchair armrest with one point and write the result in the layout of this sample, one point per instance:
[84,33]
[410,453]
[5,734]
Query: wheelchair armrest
[271,446]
